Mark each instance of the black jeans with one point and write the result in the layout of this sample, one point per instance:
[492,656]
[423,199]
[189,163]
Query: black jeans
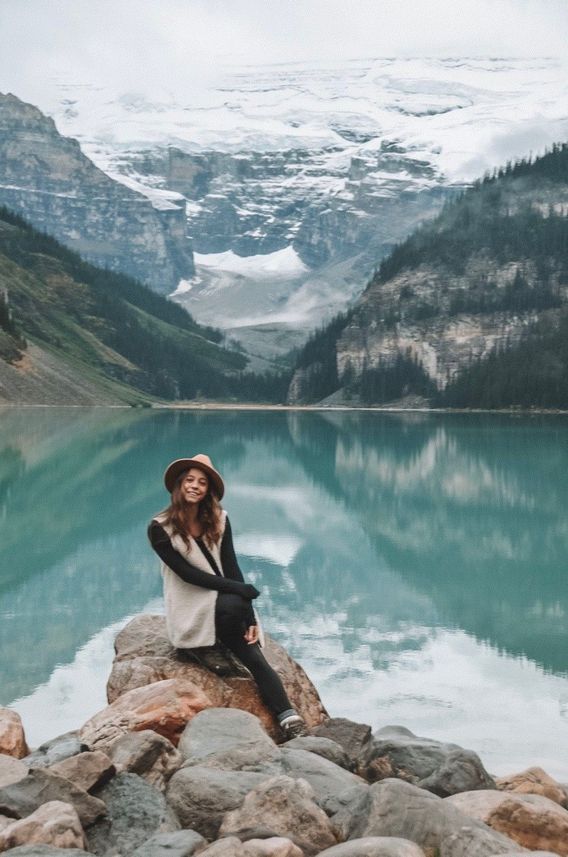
[231,621]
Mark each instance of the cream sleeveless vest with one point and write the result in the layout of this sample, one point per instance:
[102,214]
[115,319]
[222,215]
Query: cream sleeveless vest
[190,610]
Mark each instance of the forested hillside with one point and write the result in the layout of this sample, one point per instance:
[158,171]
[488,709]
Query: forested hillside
[61,317]
[465,310]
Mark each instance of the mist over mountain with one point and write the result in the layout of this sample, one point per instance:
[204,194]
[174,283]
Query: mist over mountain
[298,178]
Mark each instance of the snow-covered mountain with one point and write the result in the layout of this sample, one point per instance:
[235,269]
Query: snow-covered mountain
[297,178]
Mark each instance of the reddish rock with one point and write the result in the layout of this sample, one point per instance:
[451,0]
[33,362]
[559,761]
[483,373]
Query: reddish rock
[144,656]
[54,823]
[12,738]
[535,822]
[165,706]
[86,770]
[534,781]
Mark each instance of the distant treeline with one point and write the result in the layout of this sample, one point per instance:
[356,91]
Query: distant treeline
[484,218]
[533,373]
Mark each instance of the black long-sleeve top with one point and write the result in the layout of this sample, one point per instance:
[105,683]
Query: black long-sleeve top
[231,580]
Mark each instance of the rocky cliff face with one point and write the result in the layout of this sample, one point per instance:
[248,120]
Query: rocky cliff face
[443,343]
[472,282]
[46,178]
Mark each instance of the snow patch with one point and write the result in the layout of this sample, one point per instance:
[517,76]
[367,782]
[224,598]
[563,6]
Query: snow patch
[281,264]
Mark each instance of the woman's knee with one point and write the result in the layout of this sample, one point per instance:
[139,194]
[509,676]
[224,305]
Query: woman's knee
[231,613]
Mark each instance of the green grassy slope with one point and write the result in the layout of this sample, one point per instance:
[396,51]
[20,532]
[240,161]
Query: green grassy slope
[102,326]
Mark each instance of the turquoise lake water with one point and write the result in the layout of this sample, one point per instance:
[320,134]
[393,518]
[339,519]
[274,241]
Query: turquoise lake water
[415,565]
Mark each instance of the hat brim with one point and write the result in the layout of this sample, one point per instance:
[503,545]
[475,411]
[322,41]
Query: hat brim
[176,468]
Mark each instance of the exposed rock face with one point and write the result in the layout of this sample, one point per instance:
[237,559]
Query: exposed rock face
[48,180]
[12,738]
[54,823]
[144,655]
[443,343]
[533,821]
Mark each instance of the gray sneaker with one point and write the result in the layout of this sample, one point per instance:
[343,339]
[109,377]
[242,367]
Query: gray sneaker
[293,726]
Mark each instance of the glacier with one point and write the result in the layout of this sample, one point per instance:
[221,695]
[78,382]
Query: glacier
[298,177]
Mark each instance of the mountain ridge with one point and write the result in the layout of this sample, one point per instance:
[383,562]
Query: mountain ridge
[48,179]
[486,275]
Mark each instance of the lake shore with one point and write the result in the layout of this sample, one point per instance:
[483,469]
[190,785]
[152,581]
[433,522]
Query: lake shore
[254,406]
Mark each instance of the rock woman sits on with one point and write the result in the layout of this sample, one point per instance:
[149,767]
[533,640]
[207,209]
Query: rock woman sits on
[205,595]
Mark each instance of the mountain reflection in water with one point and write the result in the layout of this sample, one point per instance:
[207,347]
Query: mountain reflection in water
[405,560]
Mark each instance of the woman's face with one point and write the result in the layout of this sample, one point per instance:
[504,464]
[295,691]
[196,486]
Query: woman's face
[194,486]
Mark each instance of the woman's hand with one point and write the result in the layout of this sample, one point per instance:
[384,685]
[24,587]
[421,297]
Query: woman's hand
[251,634]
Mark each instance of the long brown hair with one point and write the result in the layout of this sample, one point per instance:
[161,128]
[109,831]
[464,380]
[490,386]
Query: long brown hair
[208,514]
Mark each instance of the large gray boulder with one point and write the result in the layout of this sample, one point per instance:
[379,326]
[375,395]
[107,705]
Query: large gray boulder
[226,738]
[396,808]
[375,846]
[282,806]
[136,811]
[55,750]
[23,797]
[444,769]
[201,796]
[324,747]
[148,754]
[334,787]
[181,843]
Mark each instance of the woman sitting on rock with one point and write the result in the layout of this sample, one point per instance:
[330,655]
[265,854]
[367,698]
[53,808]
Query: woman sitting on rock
[205,595]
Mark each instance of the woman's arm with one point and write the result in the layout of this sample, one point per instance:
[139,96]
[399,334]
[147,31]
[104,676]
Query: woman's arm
[230,564]
[228,557]
[162,545]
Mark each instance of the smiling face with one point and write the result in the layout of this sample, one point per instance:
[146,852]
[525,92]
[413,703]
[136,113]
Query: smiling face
[194,486]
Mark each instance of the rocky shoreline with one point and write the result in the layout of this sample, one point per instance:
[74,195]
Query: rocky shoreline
[186,760]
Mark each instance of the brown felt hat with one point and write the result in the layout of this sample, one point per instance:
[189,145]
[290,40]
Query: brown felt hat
[203,462]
